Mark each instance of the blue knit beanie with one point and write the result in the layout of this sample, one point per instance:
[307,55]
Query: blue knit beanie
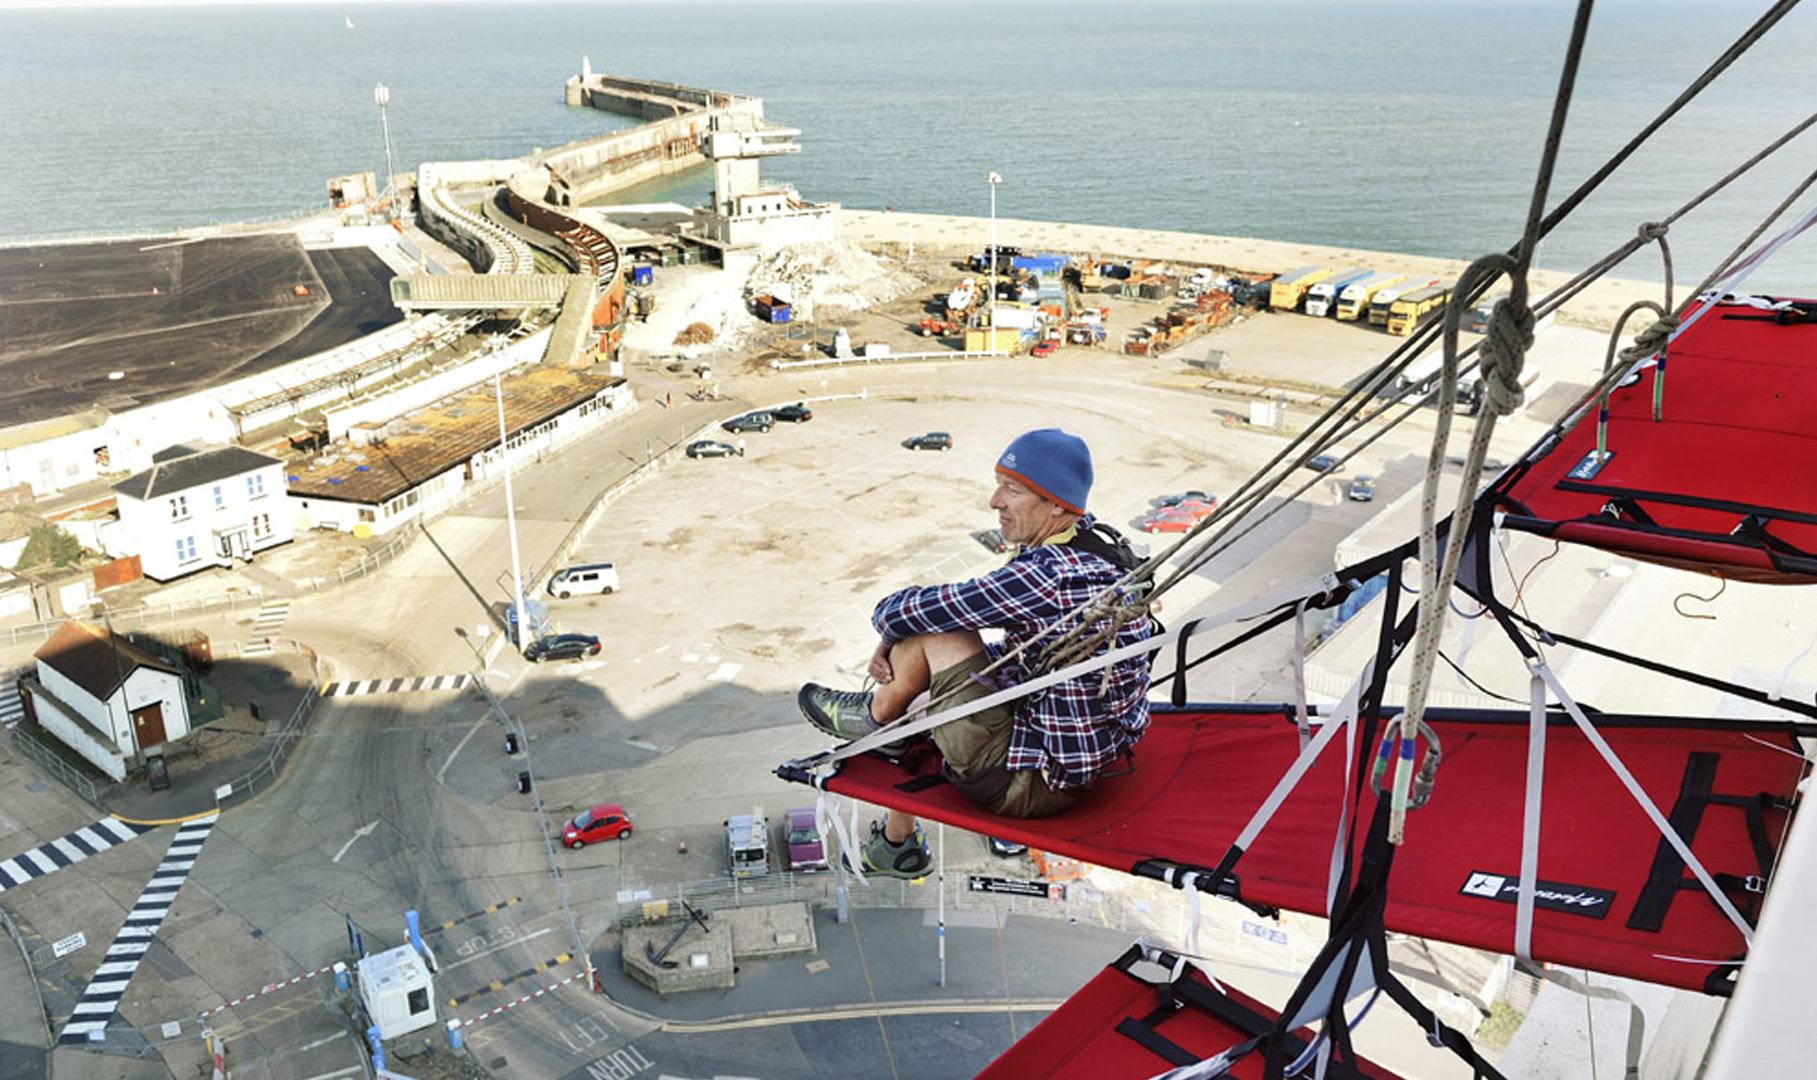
[1052,464]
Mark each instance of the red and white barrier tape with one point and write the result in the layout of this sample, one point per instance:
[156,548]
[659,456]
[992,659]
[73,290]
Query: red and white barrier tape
[268,988]
[581,974]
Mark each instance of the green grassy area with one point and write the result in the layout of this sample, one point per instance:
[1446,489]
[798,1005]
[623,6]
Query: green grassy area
[1498,1030]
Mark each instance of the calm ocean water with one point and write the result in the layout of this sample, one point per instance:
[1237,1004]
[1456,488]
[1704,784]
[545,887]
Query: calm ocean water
[1400,125]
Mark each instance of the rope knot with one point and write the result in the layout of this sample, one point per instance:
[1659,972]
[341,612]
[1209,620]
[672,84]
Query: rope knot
[1651,340]
[1654,230]
[1509,335]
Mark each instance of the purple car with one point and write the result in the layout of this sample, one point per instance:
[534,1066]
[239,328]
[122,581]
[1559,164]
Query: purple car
[805,850]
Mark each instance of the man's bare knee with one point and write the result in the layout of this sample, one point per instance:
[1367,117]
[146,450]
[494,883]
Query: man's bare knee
[945,650]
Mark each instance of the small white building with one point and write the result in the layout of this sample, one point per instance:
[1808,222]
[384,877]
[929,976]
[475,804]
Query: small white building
[398,991]
[104,697]
[196,509]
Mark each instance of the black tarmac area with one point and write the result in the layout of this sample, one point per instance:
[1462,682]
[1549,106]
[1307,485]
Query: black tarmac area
[123,324]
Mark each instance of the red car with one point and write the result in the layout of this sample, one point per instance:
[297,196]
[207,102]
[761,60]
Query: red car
[1042,348]
[1172,519]
[608,822]
[1198,508]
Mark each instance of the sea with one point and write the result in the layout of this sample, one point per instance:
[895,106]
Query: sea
[1411,126]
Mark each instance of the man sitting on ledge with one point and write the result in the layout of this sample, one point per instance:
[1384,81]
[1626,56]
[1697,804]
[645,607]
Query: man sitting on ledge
[1039,754]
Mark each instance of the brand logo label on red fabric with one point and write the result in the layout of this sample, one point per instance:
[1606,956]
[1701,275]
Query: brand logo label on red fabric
[1551,895]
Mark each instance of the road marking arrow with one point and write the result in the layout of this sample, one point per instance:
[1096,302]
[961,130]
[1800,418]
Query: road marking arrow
[357,833]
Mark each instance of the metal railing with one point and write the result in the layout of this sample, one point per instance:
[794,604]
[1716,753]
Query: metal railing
[31,974]
[287,738]
[71,777]
[1079,900]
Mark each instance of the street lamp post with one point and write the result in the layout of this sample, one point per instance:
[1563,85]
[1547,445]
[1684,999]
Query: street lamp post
[993,180]
[381,96]
[504,456]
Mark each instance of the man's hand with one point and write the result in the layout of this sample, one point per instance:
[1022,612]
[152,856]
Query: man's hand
[879,667]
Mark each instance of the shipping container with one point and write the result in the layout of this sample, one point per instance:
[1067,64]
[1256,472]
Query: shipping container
[1286,292]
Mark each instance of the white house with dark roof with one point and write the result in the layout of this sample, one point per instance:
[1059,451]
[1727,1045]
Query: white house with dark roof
[104,697]
[196,509]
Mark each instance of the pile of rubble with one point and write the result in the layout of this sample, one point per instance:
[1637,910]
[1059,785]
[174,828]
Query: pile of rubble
[818,280]
[831,275]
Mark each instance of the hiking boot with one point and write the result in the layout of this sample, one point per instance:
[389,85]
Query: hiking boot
[909,860]
[843,714]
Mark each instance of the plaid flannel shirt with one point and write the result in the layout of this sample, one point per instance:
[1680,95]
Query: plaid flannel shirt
[1070,730]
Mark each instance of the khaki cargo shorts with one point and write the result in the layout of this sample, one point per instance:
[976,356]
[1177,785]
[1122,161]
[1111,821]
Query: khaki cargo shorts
[977,746]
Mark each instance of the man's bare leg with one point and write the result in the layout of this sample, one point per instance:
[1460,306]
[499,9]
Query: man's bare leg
[913,662]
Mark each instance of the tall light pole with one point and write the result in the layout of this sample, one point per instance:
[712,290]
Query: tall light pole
[381,96]
[993,180]
[504,456]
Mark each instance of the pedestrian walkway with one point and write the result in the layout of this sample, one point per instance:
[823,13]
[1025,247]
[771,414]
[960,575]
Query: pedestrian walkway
[102,996]
[356,687]
[271,618]
[66,850]
[11,707]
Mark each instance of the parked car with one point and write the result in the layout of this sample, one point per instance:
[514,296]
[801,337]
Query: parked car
[562,647]
[933,440]
[1198,508]
[1362,489]
[601,578]
[992,540]
[607,822]
[803,839]
[703,448]
[1323,463]
[1171,519]
[748,844]
[794,414]
[1005,848]
[1042,348]
[1192,495]
[753,421]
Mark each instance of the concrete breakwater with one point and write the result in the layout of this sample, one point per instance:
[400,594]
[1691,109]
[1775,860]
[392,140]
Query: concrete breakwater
[1597,307]
[672,140]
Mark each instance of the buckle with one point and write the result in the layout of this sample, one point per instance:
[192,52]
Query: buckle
[1754,883]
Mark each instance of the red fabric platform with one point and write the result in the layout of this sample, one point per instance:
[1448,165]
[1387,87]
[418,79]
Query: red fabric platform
[1735,436]
[1200,774]
[1080,1039]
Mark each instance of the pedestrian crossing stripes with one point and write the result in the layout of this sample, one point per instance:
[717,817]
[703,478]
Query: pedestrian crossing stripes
[104,991]
[61,852]
[11,708]
[270,618]
[352,687]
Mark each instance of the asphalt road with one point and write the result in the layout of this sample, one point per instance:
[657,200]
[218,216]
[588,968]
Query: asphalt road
[743,578]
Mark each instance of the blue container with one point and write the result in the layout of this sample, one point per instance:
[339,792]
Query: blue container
[642,275]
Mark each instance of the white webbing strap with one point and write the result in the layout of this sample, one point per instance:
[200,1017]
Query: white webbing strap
[1345,716]
[846,829]
[1190,882]
[1529,830]
[1646,804]
[1299,673]
[907,727]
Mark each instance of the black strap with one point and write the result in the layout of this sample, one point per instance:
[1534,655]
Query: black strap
[1696,791]
[1754,527]
[1623,508]
[1673,498]
[1144,1033]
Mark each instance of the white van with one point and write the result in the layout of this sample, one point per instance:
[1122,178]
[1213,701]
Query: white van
[599,577]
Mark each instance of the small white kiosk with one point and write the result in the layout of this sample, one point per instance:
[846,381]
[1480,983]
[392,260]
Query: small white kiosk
[397,990]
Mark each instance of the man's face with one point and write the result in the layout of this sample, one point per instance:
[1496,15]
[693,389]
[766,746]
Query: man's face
[1024,517]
